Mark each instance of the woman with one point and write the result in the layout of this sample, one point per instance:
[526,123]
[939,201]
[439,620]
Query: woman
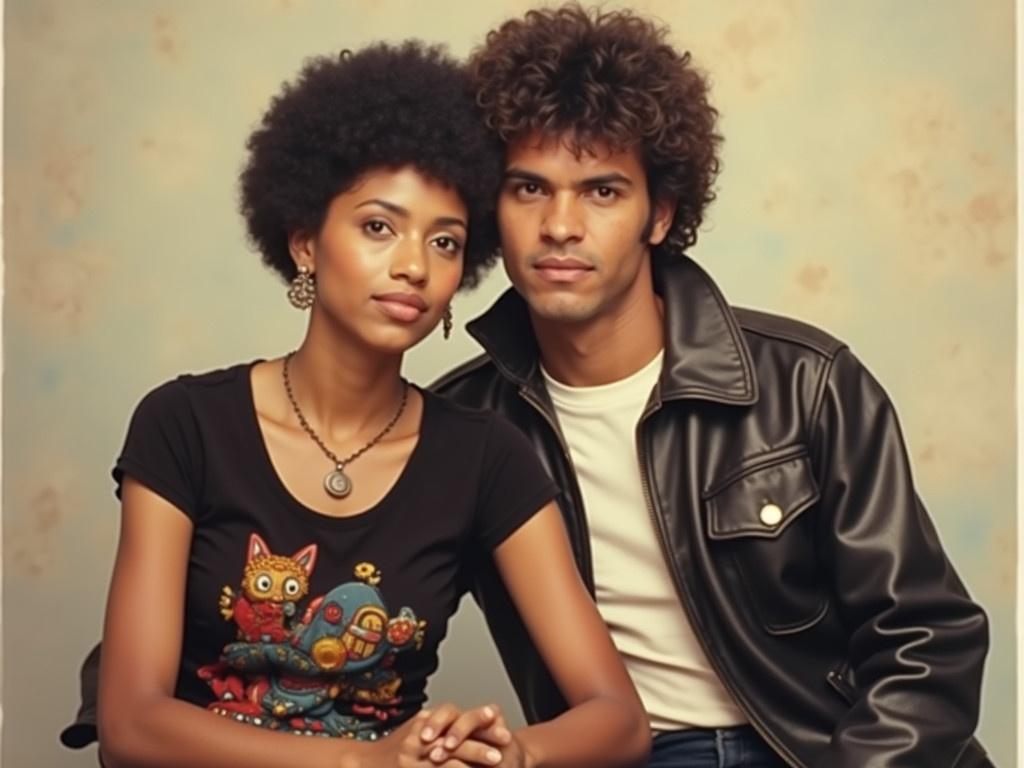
[297,532]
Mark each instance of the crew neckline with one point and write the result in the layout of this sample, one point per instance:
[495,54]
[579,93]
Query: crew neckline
[614,393]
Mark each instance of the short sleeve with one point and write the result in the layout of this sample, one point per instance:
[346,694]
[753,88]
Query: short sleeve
[163,449]
[513,484]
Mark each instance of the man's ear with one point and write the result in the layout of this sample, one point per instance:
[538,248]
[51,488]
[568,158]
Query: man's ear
[302,247]
[661,220]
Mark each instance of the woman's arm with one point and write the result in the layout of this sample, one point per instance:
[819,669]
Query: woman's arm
[141,724]
[606,724]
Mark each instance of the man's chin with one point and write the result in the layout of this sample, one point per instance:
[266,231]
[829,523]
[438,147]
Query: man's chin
[562,309]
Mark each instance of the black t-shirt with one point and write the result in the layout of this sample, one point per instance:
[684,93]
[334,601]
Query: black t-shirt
[295,620]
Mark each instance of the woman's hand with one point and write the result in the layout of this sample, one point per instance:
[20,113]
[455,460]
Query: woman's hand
[402,748]
[480,737]
[477,738]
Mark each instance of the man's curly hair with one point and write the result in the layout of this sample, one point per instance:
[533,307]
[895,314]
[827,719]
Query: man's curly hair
[606,77]
[382,107]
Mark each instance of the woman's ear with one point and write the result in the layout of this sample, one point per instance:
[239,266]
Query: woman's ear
[302,247]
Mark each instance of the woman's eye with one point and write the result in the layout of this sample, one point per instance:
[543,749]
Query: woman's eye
[448,244]
[376,227]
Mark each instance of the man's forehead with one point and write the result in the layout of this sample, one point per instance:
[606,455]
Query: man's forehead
[569,153]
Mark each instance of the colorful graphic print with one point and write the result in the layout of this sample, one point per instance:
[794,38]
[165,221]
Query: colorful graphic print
[330,673]
[271,587]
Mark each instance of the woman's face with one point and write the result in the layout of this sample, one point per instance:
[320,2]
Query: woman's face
[388,257]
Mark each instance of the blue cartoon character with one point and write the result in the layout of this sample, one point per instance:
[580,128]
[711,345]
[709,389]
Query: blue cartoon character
[341,652]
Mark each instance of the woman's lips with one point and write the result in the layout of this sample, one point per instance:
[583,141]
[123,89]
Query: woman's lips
[404,307]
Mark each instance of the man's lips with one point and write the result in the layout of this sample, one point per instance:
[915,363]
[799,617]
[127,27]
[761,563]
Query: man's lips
[404,307]
[562,270]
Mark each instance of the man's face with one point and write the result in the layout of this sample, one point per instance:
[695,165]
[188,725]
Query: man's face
[576,231]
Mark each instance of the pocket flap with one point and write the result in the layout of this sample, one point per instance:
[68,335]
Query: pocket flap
[763,500]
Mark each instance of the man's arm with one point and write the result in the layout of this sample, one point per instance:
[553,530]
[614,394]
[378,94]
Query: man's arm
[917,641]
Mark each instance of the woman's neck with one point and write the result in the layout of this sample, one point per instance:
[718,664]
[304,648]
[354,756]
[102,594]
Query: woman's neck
[342,387]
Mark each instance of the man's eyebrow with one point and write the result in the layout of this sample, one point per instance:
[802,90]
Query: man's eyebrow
[590,182]
[521,175]
[606,179]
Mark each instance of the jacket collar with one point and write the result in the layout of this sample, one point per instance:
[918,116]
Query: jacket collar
[706,356]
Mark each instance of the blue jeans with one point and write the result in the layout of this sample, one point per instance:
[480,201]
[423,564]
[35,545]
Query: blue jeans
[739,747]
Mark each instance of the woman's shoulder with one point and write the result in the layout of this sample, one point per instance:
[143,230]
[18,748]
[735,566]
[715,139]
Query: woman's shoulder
[450,414]
[219,377]
[189,391]
[487,426]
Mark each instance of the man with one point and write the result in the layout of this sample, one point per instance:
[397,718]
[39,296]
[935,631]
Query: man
[735,485]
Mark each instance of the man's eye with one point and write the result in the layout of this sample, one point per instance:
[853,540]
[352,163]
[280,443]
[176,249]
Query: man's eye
[606,193]
[528,189]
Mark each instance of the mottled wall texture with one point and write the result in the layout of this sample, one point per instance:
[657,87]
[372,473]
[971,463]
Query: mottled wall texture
[868,187]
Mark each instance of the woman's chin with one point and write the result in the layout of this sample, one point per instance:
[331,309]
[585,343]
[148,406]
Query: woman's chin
[396,339]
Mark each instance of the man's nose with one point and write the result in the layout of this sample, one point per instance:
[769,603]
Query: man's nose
[562,222]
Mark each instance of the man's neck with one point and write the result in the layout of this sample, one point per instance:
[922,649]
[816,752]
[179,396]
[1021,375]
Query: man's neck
[606,348]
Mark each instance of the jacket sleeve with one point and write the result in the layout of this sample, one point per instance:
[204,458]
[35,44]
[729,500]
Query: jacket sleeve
[917,641]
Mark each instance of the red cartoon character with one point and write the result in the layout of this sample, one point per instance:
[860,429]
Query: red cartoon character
[271,587]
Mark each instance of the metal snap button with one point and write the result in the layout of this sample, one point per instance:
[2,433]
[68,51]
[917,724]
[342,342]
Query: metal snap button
[771,514]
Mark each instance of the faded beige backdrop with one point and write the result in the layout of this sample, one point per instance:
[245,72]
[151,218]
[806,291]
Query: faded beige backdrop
[868,187]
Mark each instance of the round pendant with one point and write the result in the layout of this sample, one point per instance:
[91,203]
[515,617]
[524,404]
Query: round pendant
[337,484]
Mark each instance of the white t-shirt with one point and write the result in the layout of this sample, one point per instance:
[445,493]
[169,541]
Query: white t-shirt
[635,592]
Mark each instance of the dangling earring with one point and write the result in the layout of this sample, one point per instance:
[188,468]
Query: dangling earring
[302,289]
[446,322]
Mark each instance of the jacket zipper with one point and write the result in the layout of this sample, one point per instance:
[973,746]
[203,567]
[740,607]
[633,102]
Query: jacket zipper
[684,599]
[583,540]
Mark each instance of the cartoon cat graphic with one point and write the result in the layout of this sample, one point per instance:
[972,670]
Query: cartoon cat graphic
[334,677]
[271,587]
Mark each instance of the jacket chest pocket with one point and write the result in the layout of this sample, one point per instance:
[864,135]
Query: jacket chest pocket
[758,520]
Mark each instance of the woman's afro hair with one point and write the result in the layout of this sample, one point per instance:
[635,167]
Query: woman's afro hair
[382,107]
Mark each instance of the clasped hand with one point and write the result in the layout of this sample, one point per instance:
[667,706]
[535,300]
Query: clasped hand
[447,737]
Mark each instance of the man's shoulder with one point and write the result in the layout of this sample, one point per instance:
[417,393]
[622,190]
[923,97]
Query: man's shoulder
[474,381]
[763,327]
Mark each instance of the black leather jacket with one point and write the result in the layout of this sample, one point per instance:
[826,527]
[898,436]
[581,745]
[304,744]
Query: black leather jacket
[839,627]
